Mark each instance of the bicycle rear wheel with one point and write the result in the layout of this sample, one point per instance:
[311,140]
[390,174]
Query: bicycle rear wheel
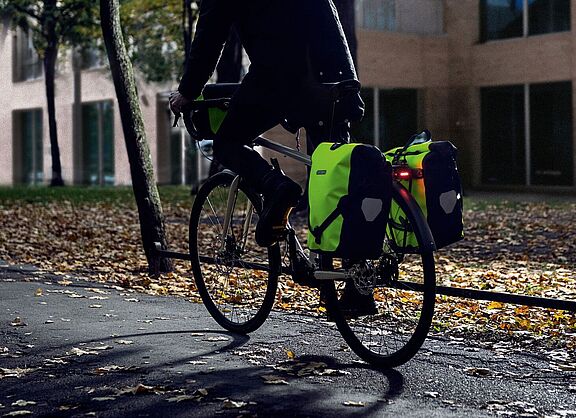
[236,278]
[404,296]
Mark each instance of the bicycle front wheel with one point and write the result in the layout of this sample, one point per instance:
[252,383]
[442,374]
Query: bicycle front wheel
[404,294]
[236,278]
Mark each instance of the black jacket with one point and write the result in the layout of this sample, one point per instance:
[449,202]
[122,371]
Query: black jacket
[284,39]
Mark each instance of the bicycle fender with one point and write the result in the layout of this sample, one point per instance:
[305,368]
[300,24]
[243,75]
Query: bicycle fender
[408,204]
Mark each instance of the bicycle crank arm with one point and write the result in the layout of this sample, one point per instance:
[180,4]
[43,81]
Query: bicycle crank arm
[331,275]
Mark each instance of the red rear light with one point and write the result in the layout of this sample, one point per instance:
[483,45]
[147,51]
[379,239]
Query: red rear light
[403,174]
[407,173]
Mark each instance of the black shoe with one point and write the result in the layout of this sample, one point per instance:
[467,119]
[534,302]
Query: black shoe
[353,304]
[281,194]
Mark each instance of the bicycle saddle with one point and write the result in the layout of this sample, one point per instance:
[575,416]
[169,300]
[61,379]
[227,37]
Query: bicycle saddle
[220,90]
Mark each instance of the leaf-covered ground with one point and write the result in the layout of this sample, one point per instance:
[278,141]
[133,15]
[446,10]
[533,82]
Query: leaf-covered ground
[516,244]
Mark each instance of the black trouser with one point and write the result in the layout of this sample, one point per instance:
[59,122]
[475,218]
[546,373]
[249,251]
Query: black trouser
[259,104]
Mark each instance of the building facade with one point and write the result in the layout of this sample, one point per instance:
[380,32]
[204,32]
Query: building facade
[495,77]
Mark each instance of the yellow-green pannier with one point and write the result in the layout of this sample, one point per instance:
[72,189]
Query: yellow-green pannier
[428,170]
[349,191]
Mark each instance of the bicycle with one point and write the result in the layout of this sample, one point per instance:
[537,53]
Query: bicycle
[237,280]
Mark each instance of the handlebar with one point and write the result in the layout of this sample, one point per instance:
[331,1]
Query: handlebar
[197,105]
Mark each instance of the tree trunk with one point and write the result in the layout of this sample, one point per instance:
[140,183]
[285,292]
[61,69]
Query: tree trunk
[50,55]
[187,27]
[347,14]
[141,168]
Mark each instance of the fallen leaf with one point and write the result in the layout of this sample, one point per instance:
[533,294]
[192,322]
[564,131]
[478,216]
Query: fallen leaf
[100,291]
[219,338]
[68,407]
[17,322]
[201,392]
[140,389]
[18,413]
[17,372]
[230,404]
[477,371]
[181,398]
[112,368]
[38,292]
[101,347]
[495,305]
[353,403]
[272,379]
[22,402]
[80,352]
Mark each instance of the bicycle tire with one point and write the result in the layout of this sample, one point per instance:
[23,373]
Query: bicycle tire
[237,295]
[383,339]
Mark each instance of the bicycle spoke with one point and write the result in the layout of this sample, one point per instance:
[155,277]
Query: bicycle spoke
[234,275]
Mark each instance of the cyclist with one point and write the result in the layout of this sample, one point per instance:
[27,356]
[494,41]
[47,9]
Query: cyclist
[293,46]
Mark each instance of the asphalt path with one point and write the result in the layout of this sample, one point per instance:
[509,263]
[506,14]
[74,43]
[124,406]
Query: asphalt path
[87,349]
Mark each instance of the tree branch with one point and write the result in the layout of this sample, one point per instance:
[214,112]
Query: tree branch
[26,11]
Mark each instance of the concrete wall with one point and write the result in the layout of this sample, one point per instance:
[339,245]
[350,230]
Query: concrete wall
[96,85]
[6,156]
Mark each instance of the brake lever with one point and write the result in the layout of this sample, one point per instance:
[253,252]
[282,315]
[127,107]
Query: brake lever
[176,119]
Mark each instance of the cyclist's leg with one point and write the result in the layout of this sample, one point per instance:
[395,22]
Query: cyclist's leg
[257,106]
[244,122]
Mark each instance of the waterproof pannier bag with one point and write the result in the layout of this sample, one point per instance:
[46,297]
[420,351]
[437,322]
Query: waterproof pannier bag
[349,192]
[207,120]
[428,170]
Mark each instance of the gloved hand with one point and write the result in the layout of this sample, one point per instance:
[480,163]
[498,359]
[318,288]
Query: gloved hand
[178,102]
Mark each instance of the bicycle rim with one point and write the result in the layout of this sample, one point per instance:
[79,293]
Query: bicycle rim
[236,278]
[405,306]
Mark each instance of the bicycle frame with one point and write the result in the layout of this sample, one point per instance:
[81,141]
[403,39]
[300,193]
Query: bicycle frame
[295,248]
[428,241]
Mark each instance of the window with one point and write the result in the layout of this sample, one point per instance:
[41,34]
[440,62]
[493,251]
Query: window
[548,16]
[551,134]
[376,14]
[501,19]
[92,57]
[97,146]
[407,16]
[527,134]
[27,63]
[503,133]
[398,116]
[28,147]
[390,117]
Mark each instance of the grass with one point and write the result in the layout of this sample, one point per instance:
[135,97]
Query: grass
[181,194]
[82,195]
